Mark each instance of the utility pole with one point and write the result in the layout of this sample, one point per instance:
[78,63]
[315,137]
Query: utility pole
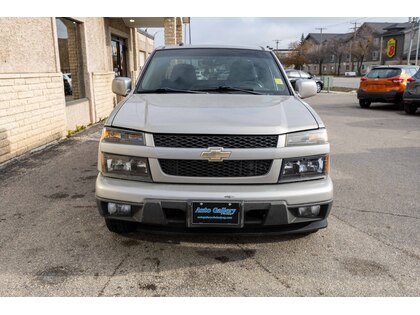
[351,43]
[189,29]
[319,49]
[380,49]
[277,41]
[320,30]
[418,41]
[413,23]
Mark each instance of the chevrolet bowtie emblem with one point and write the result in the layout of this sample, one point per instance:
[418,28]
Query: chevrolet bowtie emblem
[215,154]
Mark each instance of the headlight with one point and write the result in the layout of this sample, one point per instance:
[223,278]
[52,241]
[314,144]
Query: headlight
[116,135]
[304,168]
[129,167]
[311,137]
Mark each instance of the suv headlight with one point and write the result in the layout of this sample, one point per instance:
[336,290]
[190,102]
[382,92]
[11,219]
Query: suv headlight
[122,136]
[304,168]
[310,137]
[126,167]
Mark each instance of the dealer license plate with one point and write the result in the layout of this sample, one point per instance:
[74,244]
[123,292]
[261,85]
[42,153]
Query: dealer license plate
[216,213]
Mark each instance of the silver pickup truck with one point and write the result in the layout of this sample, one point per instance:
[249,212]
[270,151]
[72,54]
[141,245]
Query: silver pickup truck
[214,139]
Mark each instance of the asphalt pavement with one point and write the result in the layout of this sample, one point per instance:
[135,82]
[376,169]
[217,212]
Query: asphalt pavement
[54,243]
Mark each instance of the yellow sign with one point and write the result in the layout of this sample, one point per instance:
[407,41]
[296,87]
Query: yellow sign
[278,81]
[391,47]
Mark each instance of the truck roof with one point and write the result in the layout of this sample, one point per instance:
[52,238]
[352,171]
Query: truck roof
[183,46]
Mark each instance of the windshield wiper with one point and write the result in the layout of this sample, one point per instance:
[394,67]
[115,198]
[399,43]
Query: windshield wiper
[229,88]
[170,90]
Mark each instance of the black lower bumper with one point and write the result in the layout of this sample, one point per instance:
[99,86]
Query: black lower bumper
[386,97]
[412,100]
[270,217]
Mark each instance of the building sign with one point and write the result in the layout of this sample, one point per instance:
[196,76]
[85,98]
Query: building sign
[391,47]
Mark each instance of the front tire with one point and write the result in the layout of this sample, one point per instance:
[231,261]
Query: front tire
[410,108]
[400,105]
[120,227]
[318,87]
[364,103]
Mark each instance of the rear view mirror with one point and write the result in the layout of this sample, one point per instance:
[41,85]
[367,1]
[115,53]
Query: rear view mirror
[305,88]
[121,86]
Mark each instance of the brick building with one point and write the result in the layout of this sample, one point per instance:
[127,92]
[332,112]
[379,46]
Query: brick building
[56,73]
[383,34]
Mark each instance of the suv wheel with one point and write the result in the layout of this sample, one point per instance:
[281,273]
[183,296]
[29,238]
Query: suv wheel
[410,108]
[364,103]
[318,87]
[400,104]
[120,227]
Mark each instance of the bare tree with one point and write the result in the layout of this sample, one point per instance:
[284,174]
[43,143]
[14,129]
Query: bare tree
[316,54]
[337,48]
[362,46]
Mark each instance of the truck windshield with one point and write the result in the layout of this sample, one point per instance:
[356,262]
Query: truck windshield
[213,70]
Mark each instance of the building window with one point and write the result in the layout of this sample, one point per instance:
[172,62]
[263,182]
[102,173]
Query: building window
[142,59]
[347,67]
[71,58]
[314,68]
[324,68]
[119,56]
[348,57]
[376,41]
[375,55]
[332,58]
[332,68]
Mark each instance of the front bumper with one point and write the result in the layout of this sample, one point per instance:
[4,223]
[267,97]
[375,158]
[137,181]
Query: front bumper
[266,208]
[391,96]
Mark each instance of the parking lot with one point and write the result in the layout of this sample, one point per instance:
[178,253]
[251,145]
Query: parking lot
[54,243]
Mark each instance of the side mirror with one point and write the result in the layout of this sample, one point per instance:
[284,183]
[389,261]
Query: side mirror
[121,86]
[305,88]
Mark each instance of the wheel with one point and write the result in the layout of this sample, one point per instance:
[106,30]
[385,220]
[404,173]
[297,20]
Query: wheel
[364,103]
[119,226]
[410,108]
[318,87]
[400,105]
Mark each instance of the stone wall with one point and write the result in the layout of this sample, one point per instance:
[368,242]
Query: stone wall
[77,114]
[105,100]
[33,109]
[32,112]
[27,45]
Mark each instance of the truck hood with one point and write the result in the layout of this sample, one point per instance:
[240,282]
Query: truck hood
[214,114]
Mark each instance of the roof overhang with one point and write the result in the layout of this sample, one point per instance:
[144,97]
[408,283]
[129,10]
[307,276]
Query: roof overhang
[137,22]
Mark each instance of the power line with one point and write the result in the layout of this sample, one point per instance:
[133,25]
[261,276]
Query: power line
[342,23]
[277,41]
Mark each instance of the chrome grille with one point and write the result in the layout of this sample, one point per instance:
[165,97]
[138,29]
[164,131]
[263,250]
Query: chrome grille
[224,141]
[202,168]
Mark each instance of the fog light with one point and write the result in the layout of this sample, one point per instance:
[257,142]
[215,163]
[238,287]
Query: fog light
[315,210]
[303,211]
[119,209]
[309,211]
